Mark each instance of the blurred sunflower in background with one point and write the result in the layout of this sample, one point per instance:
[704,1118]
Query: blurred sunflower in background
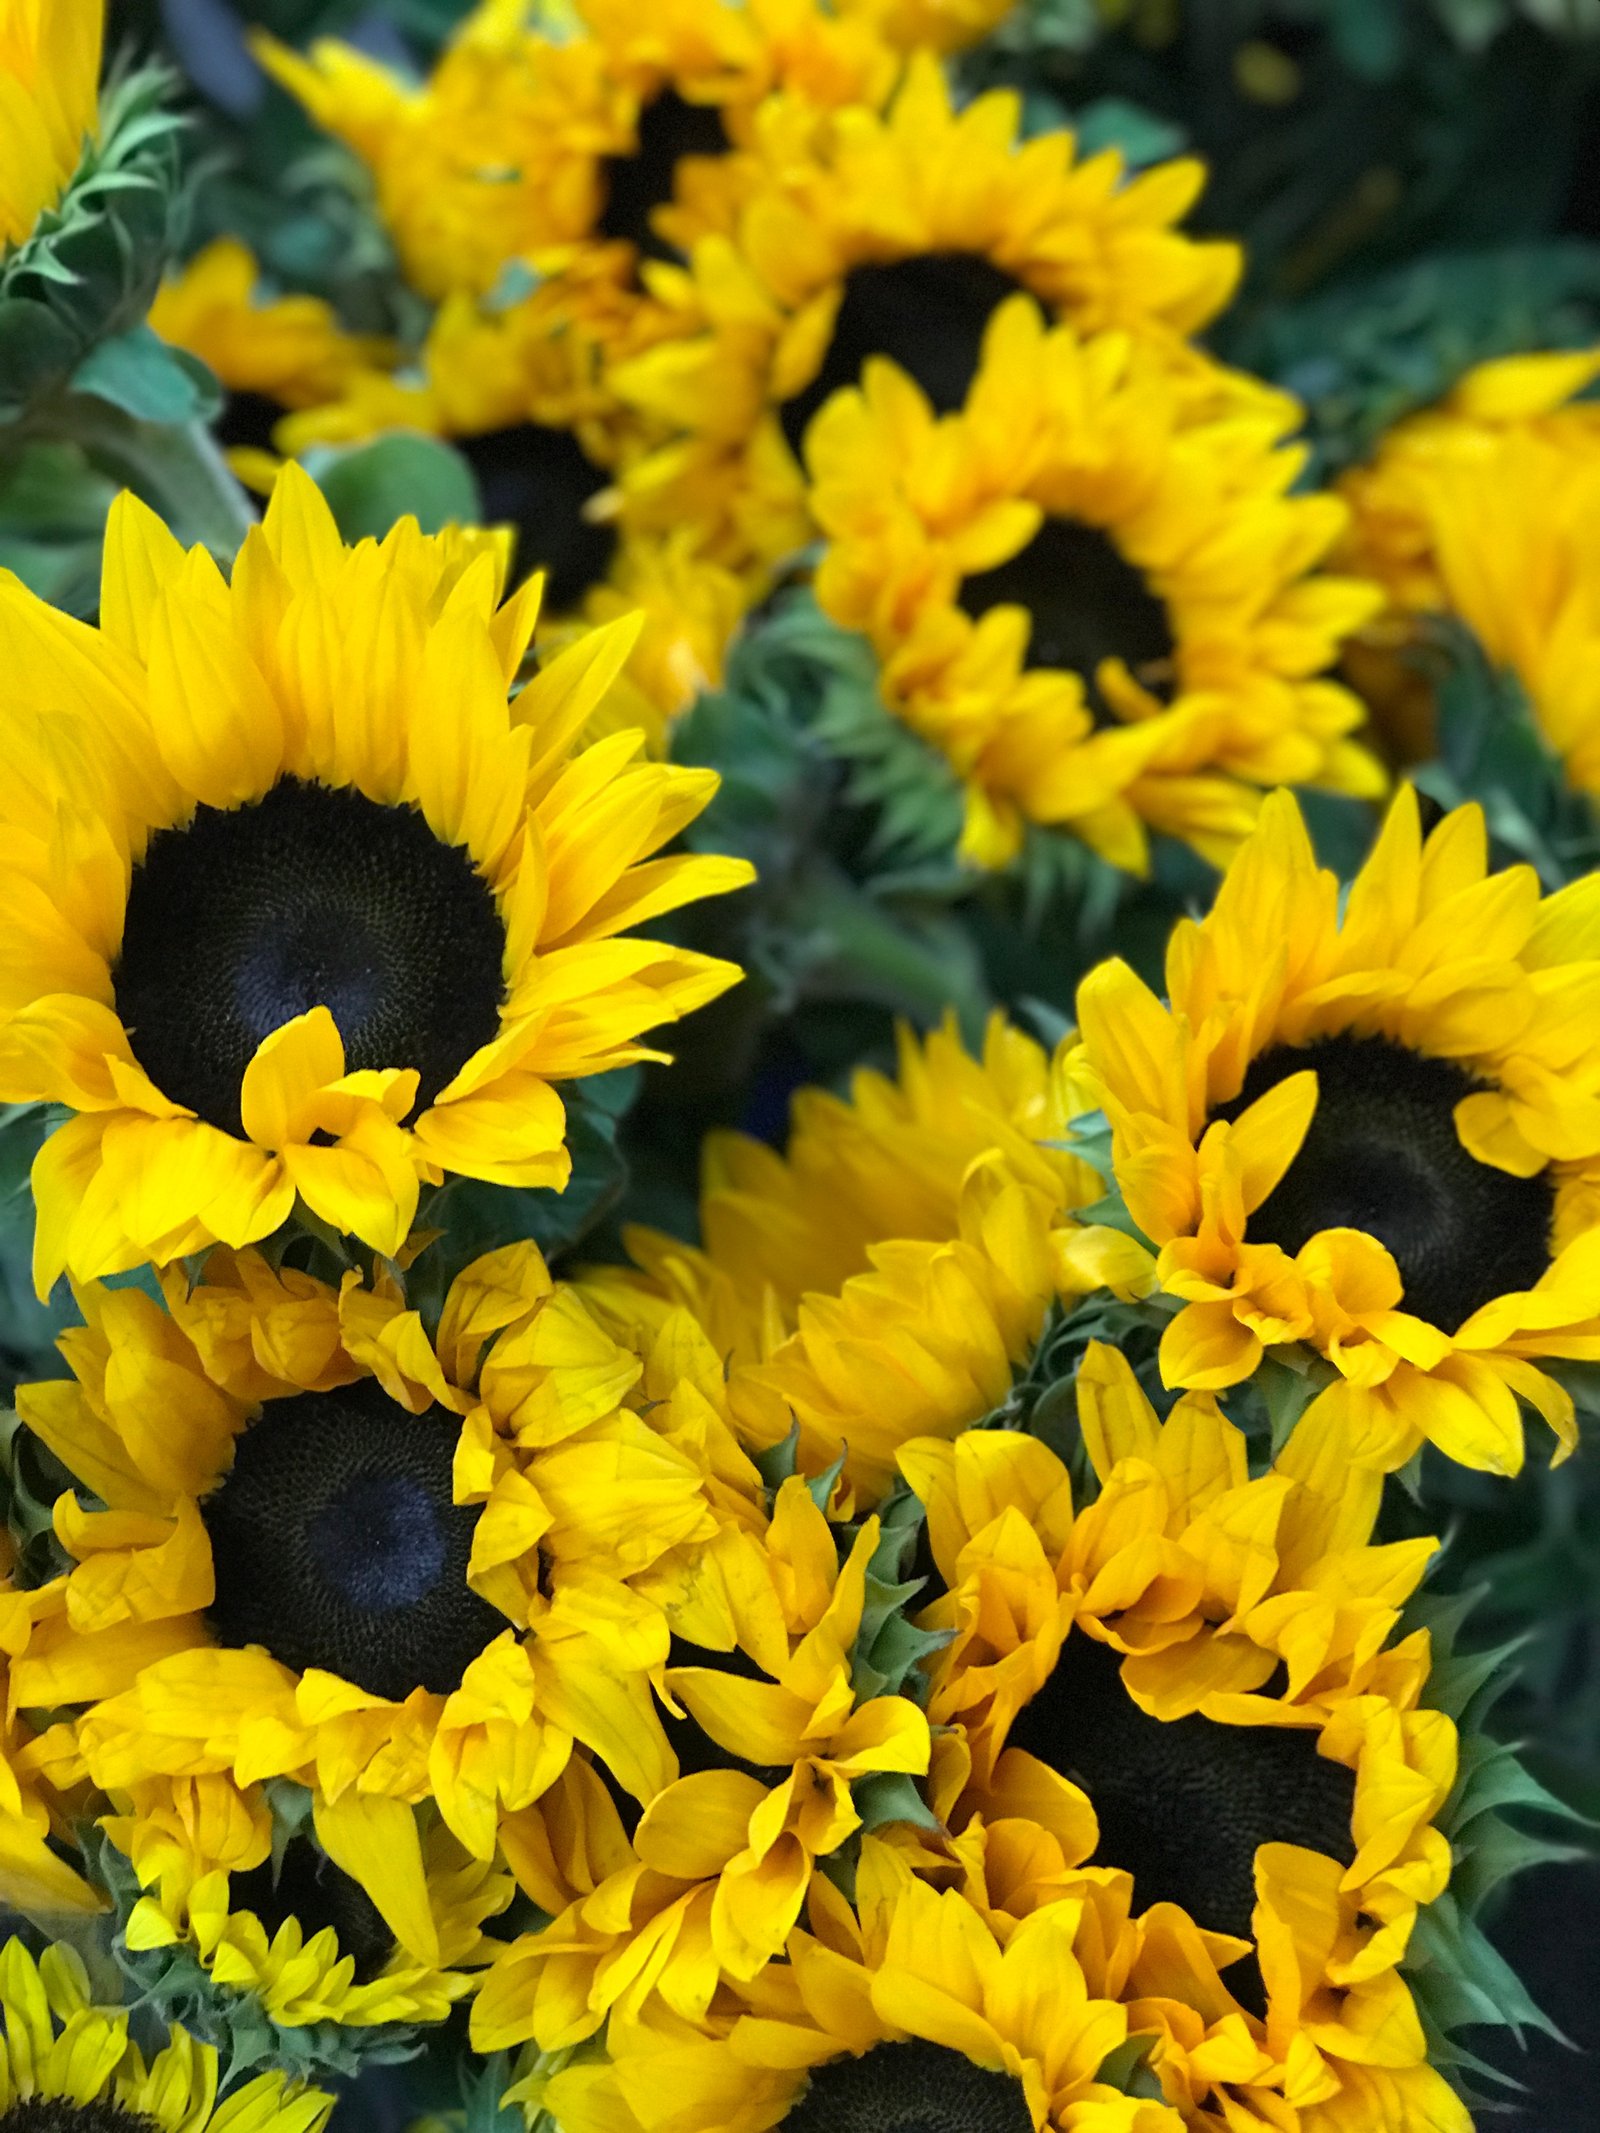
[899,233]
[309,937]
[1369,1125]
[1092,588]
[1481,509]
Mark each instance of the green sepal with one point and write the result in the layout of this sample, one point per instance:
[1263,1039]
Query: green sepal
[1461,1980]
[890,1649]
[780,1461]
[1128,2069]
[888,1796]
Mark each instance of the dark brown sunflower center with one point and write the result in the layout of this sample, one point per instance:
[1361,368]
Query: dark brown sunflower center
[308,1887]
[926,314]
[670,128]
[1382,1155]
[539,480]
[57,2114]
[337,1544]
[910,2088]
[1184,1804]
[1088,603]
[309,898]
[248,419]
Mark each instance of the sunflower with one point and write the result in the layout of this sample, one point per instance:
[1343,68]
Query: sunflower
[1370,1126]
[775,1737]
[1196,1678]
[37,1772]
[1482,509]
[626,139]
[884,1278]
[49,89]
[268,352]
[1090,590]
[287,1926]
[898,233]
[903,2010]
[67,2062]
[521,394]
[327,916]
[392,1569]
[935,25]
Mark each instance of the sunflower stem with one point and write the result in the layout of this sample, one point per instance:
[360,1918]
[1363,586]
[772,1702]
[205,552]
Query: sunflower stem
[175,467]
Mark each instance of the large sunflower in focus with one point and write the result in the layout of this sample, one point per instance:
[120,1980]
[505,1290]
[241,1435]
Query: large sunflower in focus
[67,2063]
[392,1569]
[899,233]
[906,2009]
[1091,590]
[328,914]
[1195,1678]
[1484,508]
[49,87]
[1370,1125]
[883,1278]
[626,139]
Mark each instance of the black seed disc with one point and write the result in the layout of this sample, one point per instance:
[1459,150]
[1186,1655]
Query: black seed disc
[927,314]
[248,419]
[538,480]
[910,2088]
[1088,603]
[635,185]
[313,1890]
[309,898]
[55,2114]
[337,1546]
[1184,1804]
[1382,1155]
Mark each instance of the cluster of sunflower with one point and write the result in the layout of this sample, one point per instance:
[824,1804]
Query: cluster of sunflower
[948,1639]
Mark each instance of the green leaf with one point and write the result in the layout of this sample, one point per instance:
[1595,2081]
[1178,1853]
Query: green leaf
[398,476]
[139,373]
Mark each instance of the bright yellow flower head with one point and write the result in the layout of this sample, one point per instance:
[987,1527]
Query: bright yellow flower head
[1193,1677]
[909,1997]
[392,1568]
[522,394]
[882,1280]
[302,904]
[63,2053]
[298,1934]
[937,25]
[628,136]
[899,233]
[49,88]
[1089,589]
[1370,1125]
[36,1773]
[721,1861]
[1484,508]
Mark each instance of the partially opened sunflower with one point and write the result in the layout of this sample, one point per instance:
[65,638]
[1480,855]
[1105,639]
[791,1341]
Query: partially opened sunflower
[1370,1125]
[49,86]
[328,912]
[1200,1679]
